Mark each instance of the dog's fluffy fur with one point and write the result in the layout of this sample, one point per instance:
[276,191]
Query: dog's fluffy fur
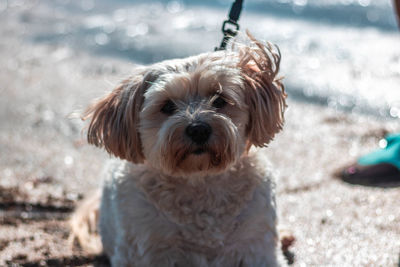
[175,200]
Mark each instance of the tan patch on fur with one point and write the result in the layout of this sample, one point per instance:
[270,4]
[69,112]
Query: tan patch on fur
[83,222]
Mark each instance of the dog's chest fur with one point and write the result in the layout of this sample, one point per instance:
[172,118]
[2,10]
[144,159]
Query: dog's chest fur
[206,209]
[207,216]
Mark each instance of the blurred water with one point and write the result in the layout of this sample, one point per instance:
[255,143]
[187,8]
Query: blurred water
[340,53]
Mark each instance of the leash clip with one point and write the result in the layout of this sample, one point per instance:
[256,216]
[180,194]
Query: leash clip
[230,29]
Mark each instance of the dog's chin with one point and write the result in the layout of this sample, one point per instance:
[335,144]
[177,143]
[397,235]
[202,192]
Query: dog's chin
[199,151]
[199,161]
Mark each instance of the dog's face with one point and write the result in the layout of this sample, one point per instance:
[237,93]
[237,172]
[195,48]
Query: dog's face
[195,116]
[194,120]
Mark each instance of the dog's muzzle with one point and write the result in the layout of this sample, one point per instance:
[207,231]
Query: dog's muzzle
[199,132]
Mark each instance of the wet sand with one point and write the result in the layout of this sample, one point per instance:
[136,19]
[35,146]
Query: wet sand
[46,165]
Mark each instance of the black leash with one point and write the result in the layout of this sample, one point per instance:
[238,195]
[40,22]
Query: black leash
[228,32]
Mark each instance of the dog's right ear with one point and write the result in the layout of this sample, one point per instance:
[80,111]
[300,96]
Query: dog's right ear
[114,118]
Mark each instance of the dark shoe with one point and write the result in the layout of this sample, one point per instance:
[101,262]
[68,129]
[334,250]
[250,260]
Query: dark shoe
[377,174]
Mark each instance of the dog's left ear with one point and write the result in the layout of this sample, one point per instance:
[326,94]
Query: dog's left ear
[264,93]
[114,119]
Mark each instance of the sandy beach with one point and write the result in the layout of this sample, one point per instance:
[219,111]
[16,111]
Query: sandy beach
[46,165]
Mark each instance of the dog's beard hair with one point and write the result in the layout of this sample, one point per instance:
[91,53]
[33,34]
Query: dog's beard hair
[176,154]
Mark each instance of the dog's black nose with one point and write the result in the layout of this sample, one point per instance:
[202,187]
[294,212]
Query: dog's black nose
[199,132]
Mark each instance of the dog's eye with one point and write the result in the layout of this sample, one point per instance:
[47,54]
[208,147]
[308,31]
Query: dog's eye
[219,102]
[168,108]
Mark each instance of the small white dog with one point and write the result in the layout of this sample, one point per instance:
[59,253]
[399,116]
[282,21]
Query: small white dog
[188,192]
